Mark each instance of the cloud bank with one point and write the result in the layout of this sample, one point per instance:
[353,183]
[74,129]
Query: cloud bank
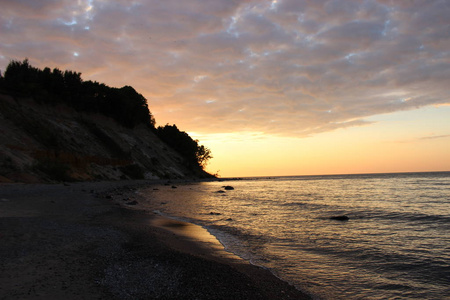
[283,67]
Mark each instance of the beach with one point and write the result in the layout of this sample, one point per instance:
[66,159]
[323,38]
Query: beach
[88,241]
[366,236]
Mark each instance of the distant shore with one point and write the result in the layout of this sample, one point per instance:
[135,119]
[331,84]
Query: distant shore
[82,241]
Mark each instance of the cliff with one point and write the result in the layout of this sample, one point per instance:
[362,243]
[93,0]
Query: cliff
[42,142]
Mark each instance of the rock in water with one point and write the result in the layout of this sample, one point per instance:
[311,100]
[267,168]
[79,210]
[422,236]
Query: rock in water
[228,187]
[340,218]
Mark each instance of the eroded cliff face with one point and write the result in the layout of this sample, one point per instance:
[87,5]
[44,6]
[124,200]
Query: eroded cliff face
[44,143]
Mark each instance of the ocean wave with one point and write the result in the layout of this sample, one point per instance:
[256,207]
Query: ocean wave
[410,217]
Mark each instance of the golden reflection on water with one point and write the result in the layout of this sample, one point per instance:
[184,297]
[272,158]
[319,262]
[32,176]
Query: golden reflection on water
[194,233]
[395,238]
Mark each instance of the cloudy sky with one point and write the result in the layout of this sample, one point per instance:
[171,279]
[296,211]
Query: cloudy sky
[272,87]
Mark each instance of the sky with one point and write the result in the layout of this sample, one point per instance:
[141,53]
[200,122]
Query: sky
[278,87]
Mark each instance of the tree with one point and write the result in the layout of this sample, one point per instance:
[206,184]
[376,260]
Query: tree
[203,155]
[125,105]
[195,154]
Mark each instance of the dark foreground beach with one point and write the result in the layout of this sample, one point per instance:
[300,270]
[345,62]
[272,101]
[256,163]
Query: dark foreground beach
[83,241]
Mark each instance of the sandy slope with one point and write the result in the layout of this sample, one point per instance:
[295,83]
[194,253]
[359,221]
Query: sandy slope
[45,143]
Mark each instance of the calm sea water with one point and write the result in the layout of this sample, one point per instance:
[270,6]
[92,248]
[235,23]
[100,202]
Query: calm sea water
[395,245]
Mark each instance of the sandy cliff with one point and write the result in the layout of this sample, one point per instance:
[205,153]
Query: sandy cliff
[42,143]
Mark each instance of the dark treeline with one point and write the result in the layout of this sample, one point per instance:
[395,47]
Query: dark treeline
[179,140]
[124,105]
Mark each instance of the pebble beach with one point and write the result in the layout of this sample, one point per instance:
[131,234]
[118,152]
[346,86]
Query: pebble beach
[87,241]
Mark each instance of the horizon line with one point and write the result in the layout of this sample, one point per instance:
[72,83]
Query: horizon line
[337,174]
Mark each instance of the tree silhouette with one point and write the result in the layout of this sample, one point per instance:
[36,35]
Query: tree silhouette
[203,155]
[195,154]
[125,105]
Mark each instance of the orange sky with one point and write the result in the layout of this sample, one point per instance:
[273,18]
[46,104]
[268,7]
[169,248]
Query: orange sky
[280,87]
[396,143]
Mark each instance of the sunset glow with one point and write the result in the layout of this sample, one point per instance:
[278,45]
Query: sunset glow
[281,87]
[395,143]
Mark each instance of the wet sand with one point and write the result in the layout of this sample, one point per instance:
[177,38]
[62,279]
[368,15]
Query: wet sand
[82,241]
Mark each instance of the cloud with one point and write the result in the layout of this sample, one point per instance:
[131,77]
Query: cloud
[283,67]
[424,138]
[433,137]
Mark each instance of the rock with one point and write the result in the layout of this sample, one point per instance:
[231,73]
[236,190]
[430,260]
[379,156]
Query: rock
[174,187]
[220,192]
[132,202]
[228,187]
[229,219]
[340,218]
[215,214]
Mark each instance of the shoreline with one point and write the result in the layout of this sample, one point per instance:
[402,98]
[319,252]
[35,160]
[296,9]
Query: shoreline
[77,241]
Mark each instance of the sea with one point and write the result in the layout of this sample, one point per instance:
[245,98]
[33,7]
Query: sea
[394,245]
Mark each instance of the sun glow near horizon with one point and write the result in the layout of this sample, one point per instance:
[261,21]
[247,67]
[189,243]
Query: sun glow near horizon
[396,142]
